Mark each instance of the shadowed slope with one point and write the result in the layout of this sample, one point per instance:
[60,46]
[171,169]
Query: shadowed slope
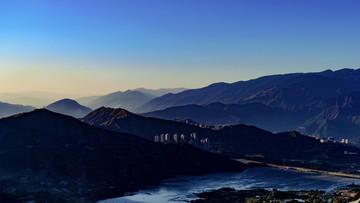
[45,147]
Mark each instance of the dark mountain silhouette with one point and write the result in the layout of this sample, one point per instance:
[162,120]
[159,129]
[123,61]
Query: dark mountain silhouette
[129,99]
[159,92]
[122,120]
[7,109]
[69,107]
[260,115]
[233,141]
[53,157]
[289,91]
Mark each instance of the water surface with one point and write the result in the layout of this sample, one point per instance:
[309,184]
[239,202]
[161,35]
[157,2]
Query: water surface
[182,188]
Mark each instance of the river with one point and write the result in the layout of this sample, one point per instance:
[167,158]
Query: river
[182,188]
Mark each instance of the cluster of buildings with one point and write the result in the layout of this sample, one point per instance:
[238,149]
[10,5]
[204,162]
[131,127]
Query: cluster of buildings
[331,140]
[191,138]
[344,141]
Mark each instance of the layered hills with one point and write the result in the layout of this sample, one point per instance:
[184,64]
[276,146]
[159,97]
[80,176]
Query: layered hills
[258,114]
[233,141]
[69,107]
[53,157]
[129,99]
[335,117]
[322,104]
[159,92]
[124,121]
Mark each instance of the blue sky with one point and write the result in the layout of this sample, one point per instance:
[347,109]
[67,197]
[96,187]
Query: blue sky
[93,47]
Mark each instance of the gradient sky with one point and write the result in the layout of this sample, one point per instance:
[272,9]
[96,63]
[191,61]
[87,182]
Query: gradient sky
[94,47]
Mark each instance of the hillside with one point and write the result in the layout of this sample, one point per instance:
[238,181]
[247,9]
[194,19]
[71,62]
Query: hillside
[124,121]
[52,157]
[69,107]
[340,118]
[260,115]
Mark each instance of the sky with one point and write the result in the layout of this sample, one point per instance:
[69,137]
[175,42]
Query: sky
[92,47]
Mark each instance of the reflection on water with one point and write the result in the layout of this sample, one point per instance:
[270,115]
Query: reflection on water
[182,188]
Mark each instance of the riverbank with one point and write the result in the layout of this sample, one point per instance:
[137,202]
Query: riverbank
[252,163]
[182,188]
[260,195]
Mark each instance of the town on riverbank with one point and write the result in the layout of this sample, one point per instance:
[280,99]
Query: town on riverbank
[226,195]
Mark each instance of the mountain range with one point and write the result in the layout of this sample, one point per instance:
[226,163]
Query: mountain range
[53,157]
[258,114]
[288,91]
[130,99]
[232,141]
[323,104]
[35,98]
[335,117]
[160,92]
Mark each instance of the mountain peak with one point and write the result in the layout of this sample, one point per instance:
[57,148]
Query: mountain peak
[114,111]
[106,114]
[67,101]
[69,107]
[42,117]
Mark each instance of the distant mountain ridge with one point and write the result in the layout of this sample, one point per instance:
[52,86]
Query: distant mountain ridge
[69,107]
[316,101]
[36,99]
[160,92]
[288,91]
[7,109]
[129,99]
[260,115]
